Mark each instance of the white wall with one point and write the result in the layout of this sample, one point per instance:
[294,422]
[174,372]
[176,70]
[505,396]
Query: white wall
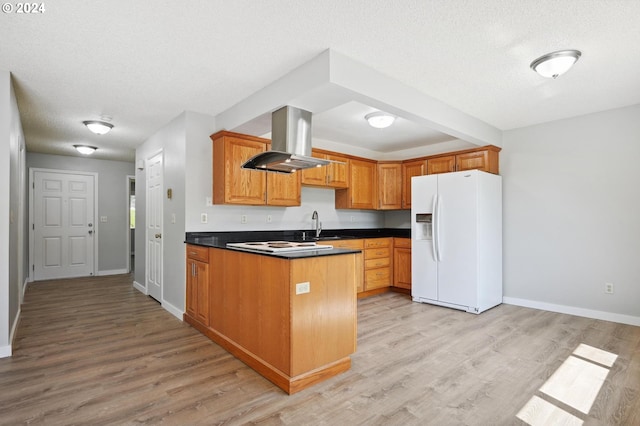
[572,214]
[112,203]
[171,140]
[12,175]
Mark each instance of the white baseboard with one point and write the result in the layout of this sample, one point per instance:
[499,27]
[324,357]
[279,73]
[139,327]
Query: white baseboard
[5,351]
[572,310]
[112,272]
[172,310]
[142,289]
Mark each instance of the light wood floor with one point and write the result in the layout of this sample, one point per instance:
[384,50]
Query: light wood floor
[96,351]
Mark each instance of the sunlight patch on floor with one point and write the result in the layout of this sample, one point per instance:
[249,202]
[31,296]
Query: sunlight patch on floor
[538,412]
[575,383]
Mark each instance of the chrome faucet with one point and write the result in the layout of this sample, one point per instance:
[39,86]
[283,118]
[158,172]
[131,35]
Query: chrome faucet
[314,216]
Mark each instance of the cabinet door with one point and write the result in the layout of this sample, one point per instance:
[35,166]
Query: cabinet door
[441,164]
[402,267]
[389,186]
[283,189]
[473,160]
[409,170]
[337,173]
[231,183]
[315,176]
[202,291]
[362,190]
[198,291]
[191,302]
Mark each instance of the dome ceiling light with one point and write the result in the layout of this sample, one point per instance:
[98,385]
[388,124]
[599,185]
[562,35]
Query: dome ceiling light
[554,64]
[85,149]
[380,119]
[98,127]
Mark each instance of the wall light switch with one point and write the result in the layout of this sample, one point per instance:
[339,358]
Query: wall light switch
[302,288]
[103,219]
[173,218]
[208,202]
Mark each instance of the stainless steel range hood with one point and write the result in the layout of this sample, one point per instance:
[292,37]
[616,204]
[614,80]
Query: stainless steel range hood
[290,144]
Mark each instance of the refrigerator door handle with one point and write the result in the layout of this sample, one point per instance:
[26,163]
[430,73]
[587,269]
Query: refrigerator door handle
[436,235]
[433,228]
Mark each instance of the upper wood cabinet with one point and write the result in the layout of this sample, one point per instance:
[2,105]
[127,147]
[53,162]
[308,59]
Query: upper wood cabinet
[409,170]
[444,164]
[485,158]
[362,191]
[389,186]
[234,185]
[333,175]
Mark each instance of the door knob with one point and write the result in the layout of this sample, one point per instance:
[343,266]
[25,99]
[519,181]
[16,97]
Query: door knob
[158,235]
[90,231]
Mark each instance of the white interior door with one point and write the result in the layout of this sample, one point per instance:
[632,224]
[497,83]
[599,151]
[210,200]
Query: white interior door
[154,226]
[63,225]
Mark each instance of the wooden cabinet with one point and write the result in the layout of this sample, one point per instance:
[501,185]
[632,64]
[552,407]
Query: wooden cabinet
[234,185]
[409,170]
[402,263]
[362,190]
[485,159]
[197,301]
[355,245]
[377,263]
[294,339]
[389,186]
[333,175]
[445,164]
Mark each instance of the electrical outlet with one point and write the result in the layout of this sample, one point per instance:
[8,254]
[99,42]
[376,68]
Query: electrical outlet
[203,218]
[243,218]
[353,218]
[302,288]
[608,288]
[269,218]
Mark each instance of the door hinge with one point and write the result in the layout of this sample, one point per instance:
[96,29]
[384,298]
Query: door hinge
[33,267]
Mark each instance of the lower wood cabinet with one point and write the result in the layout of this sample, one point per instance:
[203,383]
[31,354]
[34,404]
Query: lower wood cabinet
[197,300]
[378,268]
[402,263]
[261,313]
[354,245]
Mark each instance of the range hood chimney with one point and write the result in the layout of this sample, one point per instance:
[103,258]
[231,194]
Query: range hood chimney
[290,144]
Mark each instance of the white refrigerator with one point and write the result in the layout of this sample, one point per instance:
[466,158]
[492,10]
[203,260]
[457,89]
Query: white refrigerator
[456,231]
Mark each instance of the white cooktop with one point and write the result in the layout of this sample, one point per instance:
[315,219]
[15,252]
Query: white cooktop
[278,246]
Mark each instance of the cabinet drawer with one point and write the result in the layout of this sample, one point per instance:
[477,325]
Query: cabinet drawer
[377,242]
[376,278]
[377,253]
[402,242]
[350,244]
[377,263]
[198,253]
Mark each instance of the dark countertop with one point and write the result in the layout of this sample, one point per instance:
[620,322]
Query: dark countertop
[220,239]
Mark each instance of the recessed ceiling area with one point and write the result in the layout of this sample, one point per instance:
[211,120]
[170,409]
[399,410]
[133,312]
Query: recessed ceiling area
[346,124]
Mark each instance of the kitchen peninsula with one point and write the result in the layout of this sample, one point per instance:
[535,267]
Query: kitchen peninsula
[291,316]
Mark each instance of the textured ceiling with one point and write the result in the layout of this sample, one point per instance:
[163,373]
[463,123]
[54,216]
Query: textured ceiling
[142,63]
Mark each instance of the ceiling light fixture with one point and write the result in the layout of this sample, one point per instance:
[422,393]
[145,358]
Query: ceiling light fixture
[98,127]
[380,119]
[85,149]
[555,64]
